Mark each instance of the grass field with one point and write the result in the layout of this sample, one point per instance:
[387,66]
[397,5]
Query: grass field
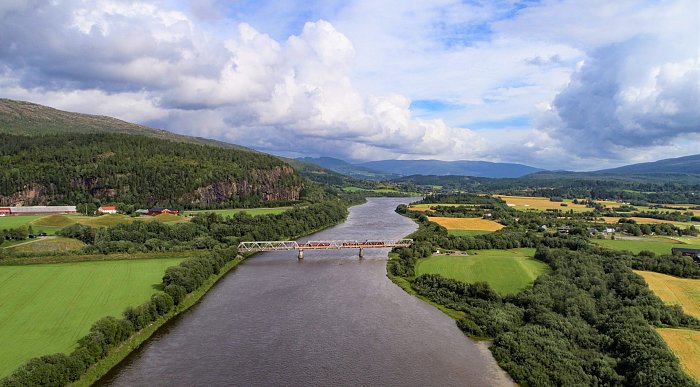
[685,344]
[46,308]
[477,224]
[675,291]
[660,246]
[467,232]
[250,211]
[49,244]
[507,271]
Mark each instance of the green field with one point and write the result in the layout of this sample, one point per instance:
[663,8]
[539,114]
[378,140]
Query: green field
[660,246]
[468,232]
[46,308]
[249,211]
[507,271]
[48,244]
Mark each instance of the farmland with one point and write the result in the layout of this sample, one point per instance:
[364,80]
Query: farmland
[477,224]
[541,204]
[686,293]
[48,244]
[614,219]
[660,246]
[47,308]
[685,344]
[507,271]
[675,291]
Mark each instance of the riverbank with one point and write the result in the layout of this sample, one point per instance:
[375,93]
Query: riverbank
[119,353]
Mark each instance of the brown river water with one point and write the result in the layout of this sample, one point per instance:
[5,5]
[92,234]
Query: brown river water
[330,320]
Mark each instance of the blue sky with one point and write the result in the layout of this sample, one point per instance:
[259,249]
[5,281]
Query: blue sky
[567,84]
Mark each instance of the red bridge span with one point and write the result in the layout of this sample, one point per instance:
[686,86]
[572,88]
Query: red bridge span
[321,245]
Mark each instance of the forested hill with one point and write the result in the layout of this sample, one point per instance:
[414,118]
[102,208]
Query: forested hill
[73,168]
[687,164]
[30,119]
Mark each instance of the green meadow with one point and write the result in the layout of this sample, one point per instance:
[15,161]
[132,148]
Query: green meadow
[46,308]
[507,271]
[660,246]
[249,211]
[468,232]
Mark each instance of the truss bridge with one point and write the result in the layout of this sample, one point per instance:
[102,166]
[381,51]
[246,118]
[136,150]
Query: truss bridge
[321,245]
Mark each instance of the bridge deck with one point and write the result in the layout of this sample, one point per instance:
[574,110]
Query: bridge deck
[321,245]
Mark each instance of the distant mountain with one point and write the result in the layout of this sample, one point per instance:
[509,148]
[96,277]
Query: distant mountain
[444,168]
[352,170]
[30,119]
[687,164]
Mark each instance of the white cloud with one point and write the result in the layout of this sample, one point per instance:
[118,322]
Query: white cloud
[344,87]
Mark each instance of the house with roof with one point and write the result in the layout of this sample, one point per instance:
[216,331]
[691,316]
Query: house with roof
[107,210]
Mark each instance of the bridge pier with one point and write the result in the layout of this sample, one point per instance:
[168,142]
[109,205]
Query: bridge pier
[301,255]
[362,253]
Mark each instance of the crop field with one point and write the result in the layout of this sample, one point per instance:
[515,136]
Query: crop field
[541,204]
[660,246]
[507,271]
[685,344]
[675,291]
[48,244]
[249,211]
[614,220]
[45,309]
[467,223]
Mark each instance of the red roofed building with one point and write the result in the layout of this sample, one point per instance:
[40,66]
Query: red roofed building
[5,211]
[107,210]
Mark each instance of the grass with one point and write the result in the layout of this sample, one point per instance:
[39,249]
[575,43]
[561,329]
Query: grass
[685,344]
[478,224]
[249,211]
[660,246]
[53,221]
[675,291]
[15,221]
[507,271]
[49,244]
[467,232]
[46,308]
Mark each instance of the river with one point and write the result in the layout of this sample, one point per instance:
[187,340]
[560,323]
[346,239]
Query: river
[329,320]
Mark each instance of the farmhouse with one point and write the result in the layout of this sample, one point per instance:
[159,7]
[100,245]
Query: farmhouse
[161,210]
[107,210]
[38,210]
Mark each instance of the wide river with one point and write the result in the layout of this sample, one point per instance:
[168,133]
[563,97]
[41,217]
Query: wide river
[329,320]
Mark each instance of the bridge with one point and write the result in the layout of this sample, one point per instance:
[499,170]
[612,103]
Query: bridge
[321,245]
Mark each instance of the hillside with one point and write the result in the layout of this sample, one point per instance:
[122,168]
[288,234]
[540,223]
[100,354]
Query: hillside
[352,170]
[30,119]
[459,168]
[686,165]
[75,168]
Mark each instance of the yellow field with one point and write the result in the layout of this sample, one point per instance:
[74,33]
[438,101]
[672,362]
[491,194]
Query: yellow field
[540,203]
[675,291]
[685,344]
[467,223]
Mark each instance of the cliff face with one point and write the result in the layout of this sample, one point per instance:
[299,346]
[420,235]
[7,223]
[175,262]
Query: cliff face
[267,184]
[34,194]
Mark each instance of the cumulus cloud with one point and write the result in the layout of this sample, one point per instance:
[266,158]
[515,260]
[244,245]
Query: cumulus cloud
[625,97]
[240,86]
[601,81]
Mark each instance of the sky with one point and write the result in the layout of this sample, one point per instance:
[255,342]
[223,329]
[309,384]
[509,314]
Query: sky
[578,85]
